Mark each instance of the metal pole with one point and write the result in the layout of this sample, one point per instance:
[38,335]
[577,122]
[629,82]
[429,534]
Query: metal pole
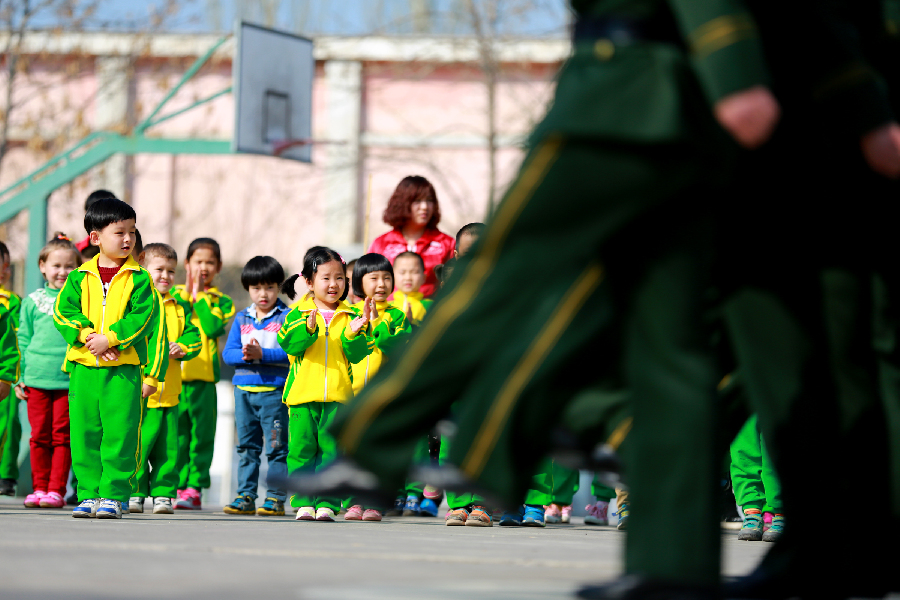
[37,237]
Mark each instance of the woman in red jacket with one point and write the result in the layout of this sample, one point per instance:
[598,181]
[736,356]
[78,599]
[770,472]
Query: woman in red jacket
[414,213]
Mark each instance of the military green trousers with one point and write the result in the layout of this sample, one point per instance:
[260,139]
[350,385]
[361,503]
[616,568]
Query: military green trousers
[105,429]
[197,414]
[158,472]
[753,476]
[620,239]
[10,436]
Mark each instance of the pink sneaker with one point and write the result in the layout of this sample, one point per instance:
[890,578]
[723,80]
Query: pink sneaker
[33,500]
[566,514]
[597,513]
[371,515]
[552,514]
[188,499]
[53,500]
[354,513]
[432,493]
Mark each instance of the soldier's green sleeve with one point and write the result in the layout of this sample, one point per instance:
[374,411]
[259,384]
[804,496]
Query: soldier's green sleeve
[157,345]
[9,349]
[190,338]
[724,44]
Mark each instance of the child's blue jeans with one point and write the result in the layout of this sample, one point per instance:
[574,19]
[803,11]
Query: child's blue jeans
[261,419]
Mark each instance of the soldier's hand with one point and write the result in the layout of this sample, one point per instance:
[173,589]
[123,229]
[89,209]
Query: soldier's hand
[749,116]
[311,321]
[881,149]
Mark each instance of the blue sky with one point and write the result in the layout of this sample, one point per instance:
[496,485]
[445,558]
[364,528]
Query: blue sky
[334,17]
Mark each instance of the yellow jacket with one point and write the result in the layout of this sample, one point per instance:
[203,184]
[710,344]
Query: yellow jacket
[180,330]
[412,300]
[320,360]
[389,331]
[123,315]
[210,313]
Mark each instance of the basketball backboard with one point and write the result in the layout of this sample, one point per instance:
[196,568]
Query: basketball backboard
[273,75]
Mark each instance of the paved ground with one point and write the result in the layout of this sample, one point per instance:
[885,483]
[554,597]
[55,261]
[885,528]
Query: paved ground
[48,554]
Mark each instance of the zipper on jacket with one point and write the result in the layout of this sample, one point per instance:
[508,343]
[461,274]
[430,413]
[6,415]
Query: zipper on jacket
[326,360]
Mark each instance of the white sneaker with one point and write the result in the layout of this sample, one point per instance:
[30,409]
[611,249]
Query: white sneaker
[136,504]
[87,509]
[306,513]
[162,506]
[109,509]
[324,514]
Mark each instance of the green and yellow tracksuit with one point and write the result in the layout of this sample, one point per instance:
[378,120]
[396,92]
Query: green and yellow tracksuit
[105,396]
[10,424]
[415,301]
[197,412]
[753,477]
[159,431]
[319,381]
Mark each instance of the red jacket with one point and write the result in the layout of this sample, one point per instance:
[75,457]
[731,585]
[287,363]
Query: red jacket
[434,247]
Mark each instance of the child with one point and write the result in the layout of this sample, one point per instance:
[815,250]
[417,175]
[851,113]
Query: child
[10,425]
[352,298]
[103,312]
[323,337]
[44,385]
[159,428]
[373,280]
[756,486]
[210,311]
[410,270]
[261,368]
[466,238]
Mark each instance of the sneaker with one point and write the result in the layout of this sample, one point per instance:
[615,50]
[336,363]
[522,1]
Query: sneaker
[773,533]
[188,499]
[624,513]
[397,509]
[512,519]
[272,507]
[109,509]
[412,507]
[428,508]
[752,531]
[123,506]
[52,500]
[597,513]
[325,514]
[371,515]
[87,509]
[242,505]
[432,493]
[457,516]
[306,513]
[7,487]
[163,506]
[354,513]
[534,516]
[566,514]
[136,504]
[552,514]
[33,500]
[480,517]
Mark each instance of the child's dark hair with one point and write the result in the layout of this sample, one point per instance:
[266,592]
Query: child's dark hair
[138,243]
[409,254]
[59,241]
[97,195]
[370,263]
[207,243]
[474,229]
[260,270]
[4,251]
[105,212]
[315,257]
[159,251]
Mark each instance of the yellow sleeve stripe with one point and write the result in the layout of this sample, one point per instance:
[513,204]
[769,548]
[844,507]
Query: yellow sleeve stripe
[720,33]
[59,318]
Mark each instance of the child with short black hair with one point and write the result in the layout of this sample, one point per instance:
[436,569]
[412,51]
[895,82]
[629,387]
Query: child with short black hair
[43,384]
[103,312]
[210,312]
[466,237]
[261,369]
[409,271]
[10,424]
[352,298]
[157,476]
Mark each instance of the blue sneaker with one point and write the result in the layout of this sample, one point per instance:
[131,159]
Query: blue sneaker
[534,516]
[412,508]
[512,519]
[429,507]
[109,509]
[87,509]
[397,509]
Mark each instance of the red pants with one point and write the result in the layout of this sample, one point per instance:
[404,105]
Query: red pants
[51,457]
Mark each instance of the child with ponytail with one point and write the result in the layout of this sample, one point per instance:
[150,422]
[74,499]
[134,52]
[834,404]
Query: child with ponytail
[323,337]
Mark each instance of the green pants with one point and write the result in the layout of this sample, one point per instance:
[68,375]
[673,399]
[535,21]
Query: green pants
[417,488]
[753,475]
[158,471]
[197,414]
[602,491]
[311,447]
[105,429]
[456,499]
[10,436]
